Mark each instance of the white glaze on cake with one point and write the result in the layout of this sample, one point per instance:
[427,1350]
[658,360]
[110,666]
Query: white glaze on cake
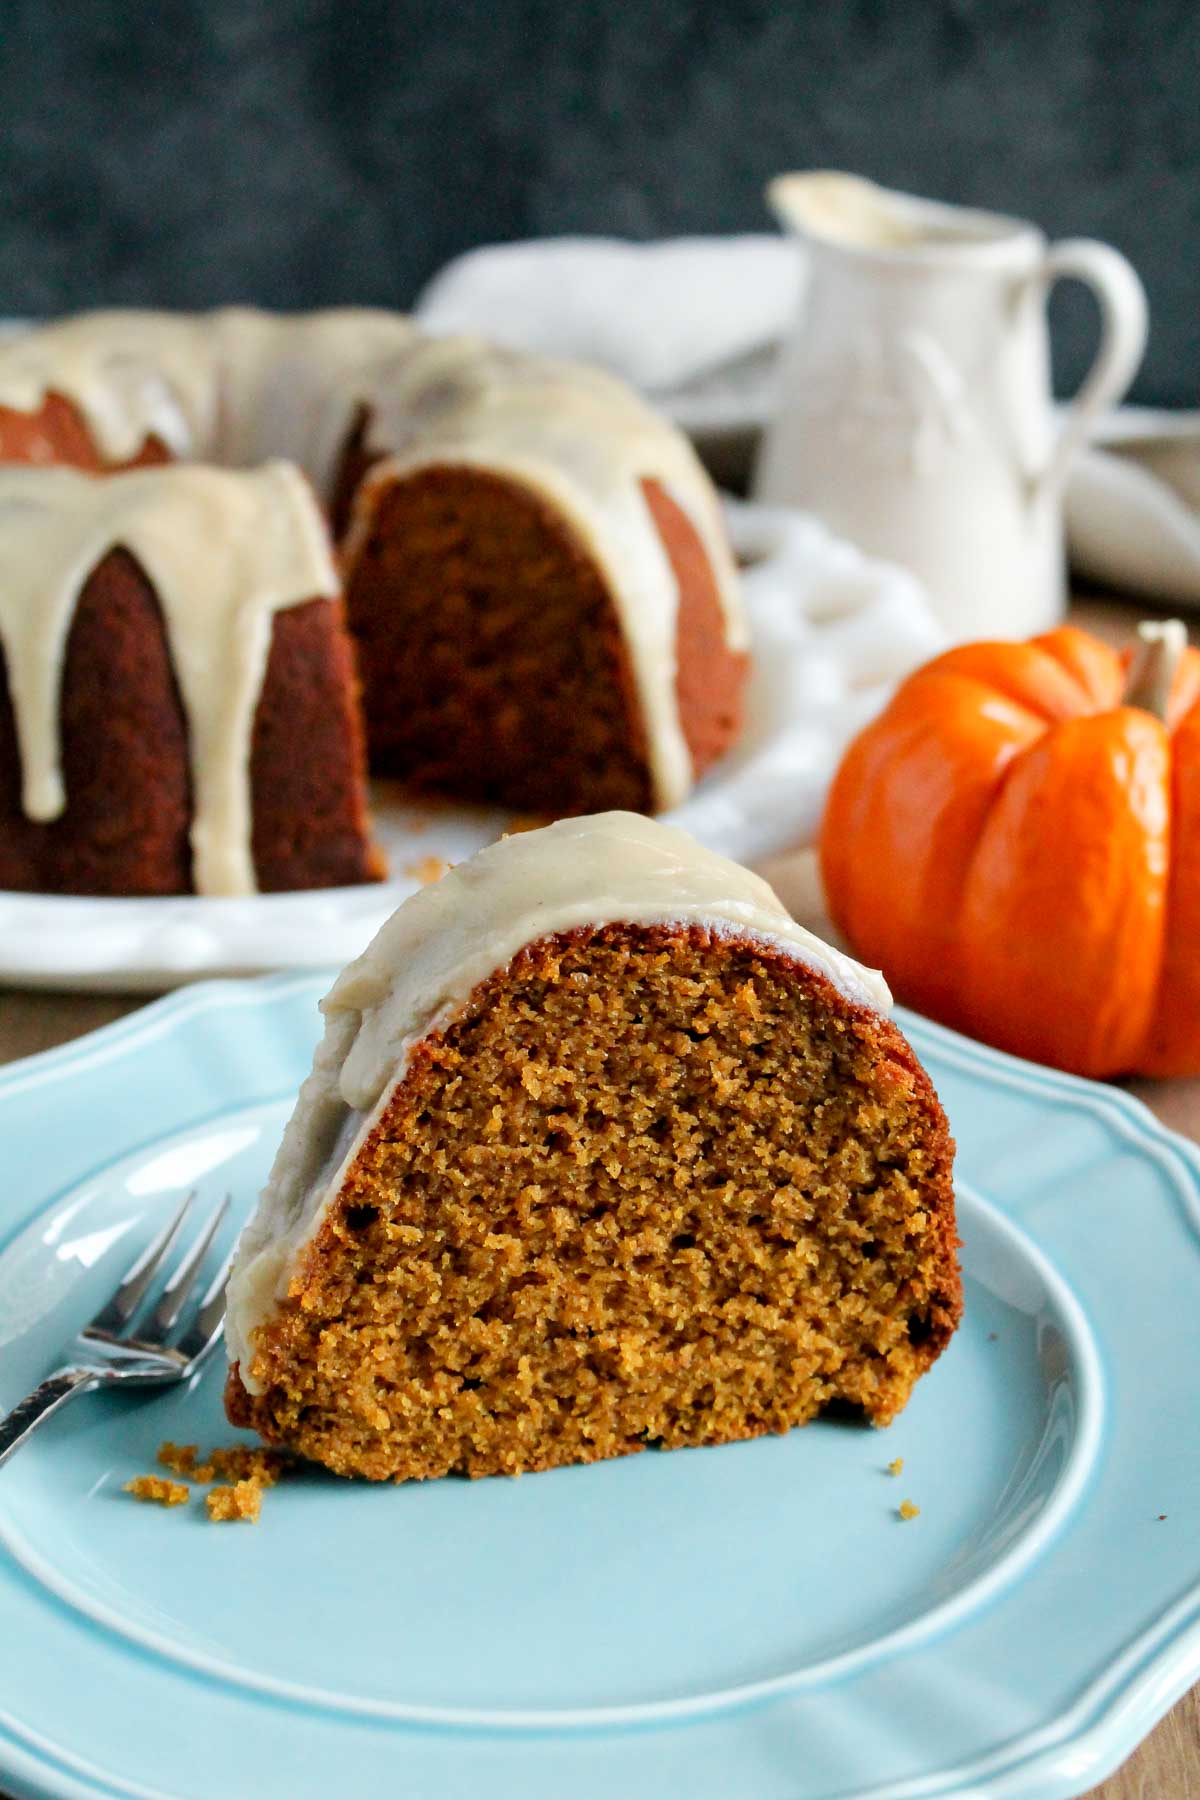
[224,551]
[292,384]
[235,386]
[132,376]
[611,868]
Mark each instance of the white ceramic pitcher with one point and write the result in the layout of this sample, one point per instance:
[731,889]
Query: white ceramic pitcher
[916,416]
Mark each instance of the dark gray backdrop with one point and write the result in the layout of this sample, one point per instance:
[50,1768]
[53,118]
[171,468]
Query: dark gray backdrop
[298,152]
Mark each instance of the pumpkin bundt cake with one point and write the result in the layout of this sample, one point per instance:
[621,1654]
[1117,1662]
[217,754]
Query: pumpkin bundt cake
[600,1150]
[535,568]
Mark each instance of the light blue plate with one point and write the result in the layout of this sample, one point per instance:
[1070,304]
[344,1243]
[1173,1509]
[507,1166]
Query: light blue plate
[749,1621]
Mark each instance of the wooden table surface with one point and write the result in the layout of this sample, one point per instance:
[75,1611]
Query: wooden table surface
[1167,1765]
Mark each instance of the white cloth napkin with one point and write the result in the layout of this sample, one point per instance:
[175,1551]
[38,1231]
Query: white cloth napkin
[696,323]
[1133,506]
[833,632]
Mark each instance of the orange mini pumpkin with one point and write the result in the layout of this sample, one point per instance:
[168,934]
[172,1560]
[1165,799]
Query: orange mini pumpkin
[1015,841]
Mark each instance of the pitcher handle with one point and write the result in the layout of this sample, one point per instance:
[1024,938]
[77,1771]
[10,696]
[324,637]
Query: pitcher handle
[1123,319]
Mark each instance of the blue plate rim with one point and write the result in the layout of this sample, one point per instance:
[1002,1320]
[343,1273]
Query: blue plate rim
[1072,1750]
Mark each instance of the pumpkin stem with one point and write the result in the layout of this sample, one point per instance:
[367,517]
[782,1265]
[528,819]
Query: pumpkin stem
[1155,664]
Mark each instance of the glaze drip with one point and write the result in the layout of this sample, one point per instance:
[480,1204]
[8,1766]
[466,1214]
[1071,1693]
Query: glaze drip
[224,552]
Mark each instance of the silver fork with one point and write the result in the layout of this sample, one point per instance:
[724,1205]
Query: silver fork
[170,1346]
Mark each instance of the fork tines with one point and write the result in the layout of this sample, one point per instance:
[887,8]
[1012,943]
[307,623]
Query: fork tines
[114,1322]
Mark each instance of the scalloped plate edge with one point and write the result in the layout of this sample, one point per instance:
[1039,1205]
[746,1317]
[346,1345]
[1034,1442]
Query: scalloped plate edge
[1060,1759]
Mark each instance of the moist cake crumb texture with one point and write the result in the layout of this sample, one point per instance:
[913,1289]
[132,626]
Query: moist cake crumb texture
[650,1186]
[241,1501]
[179,1458]
[160,1491]
[238,1462]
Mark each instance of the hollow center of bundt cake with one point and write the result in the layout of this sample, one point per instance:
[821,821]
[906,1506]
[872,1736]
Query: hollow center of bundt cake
[653,1186]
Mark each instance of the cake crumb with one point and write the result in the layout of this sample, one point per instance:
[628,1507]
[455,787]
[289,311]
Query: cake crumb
[158,1489]
[908,1510]
[238,1462]
[241,1501]
[248,1462]
[896,1466]
[428,870]
[179,1458]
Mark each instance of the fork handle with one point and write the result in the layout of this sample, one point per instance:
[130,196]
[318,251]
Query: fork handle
[20,1424]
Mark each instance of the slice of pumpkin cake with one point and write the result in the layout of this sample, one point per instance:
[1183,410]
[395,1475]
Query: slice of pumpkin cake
[600,1150]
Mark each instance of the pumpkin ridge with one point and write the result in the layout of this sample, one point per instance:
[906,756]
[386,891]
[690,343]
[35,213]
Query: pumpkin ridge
[1008,772]
[987,692]
[1027,675]
[1172,1043]
[1186,698]
[1096,670]
[1085,933]
[863,804]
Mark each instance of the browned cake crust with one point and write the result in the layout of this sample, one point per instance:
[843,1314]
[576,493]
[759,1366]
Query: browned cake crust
[710,677]
[308,758]
[651,1186]
[353,462]
[58,433]
[124,756]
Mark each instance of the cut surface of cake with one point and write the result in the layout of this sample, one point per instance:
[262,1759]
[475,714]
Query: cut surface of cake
[539,583]
[537,577]
[600,1151]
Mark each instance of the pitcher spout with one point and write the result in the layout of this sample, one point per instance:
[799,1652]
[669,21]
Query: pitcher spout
[828,207]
